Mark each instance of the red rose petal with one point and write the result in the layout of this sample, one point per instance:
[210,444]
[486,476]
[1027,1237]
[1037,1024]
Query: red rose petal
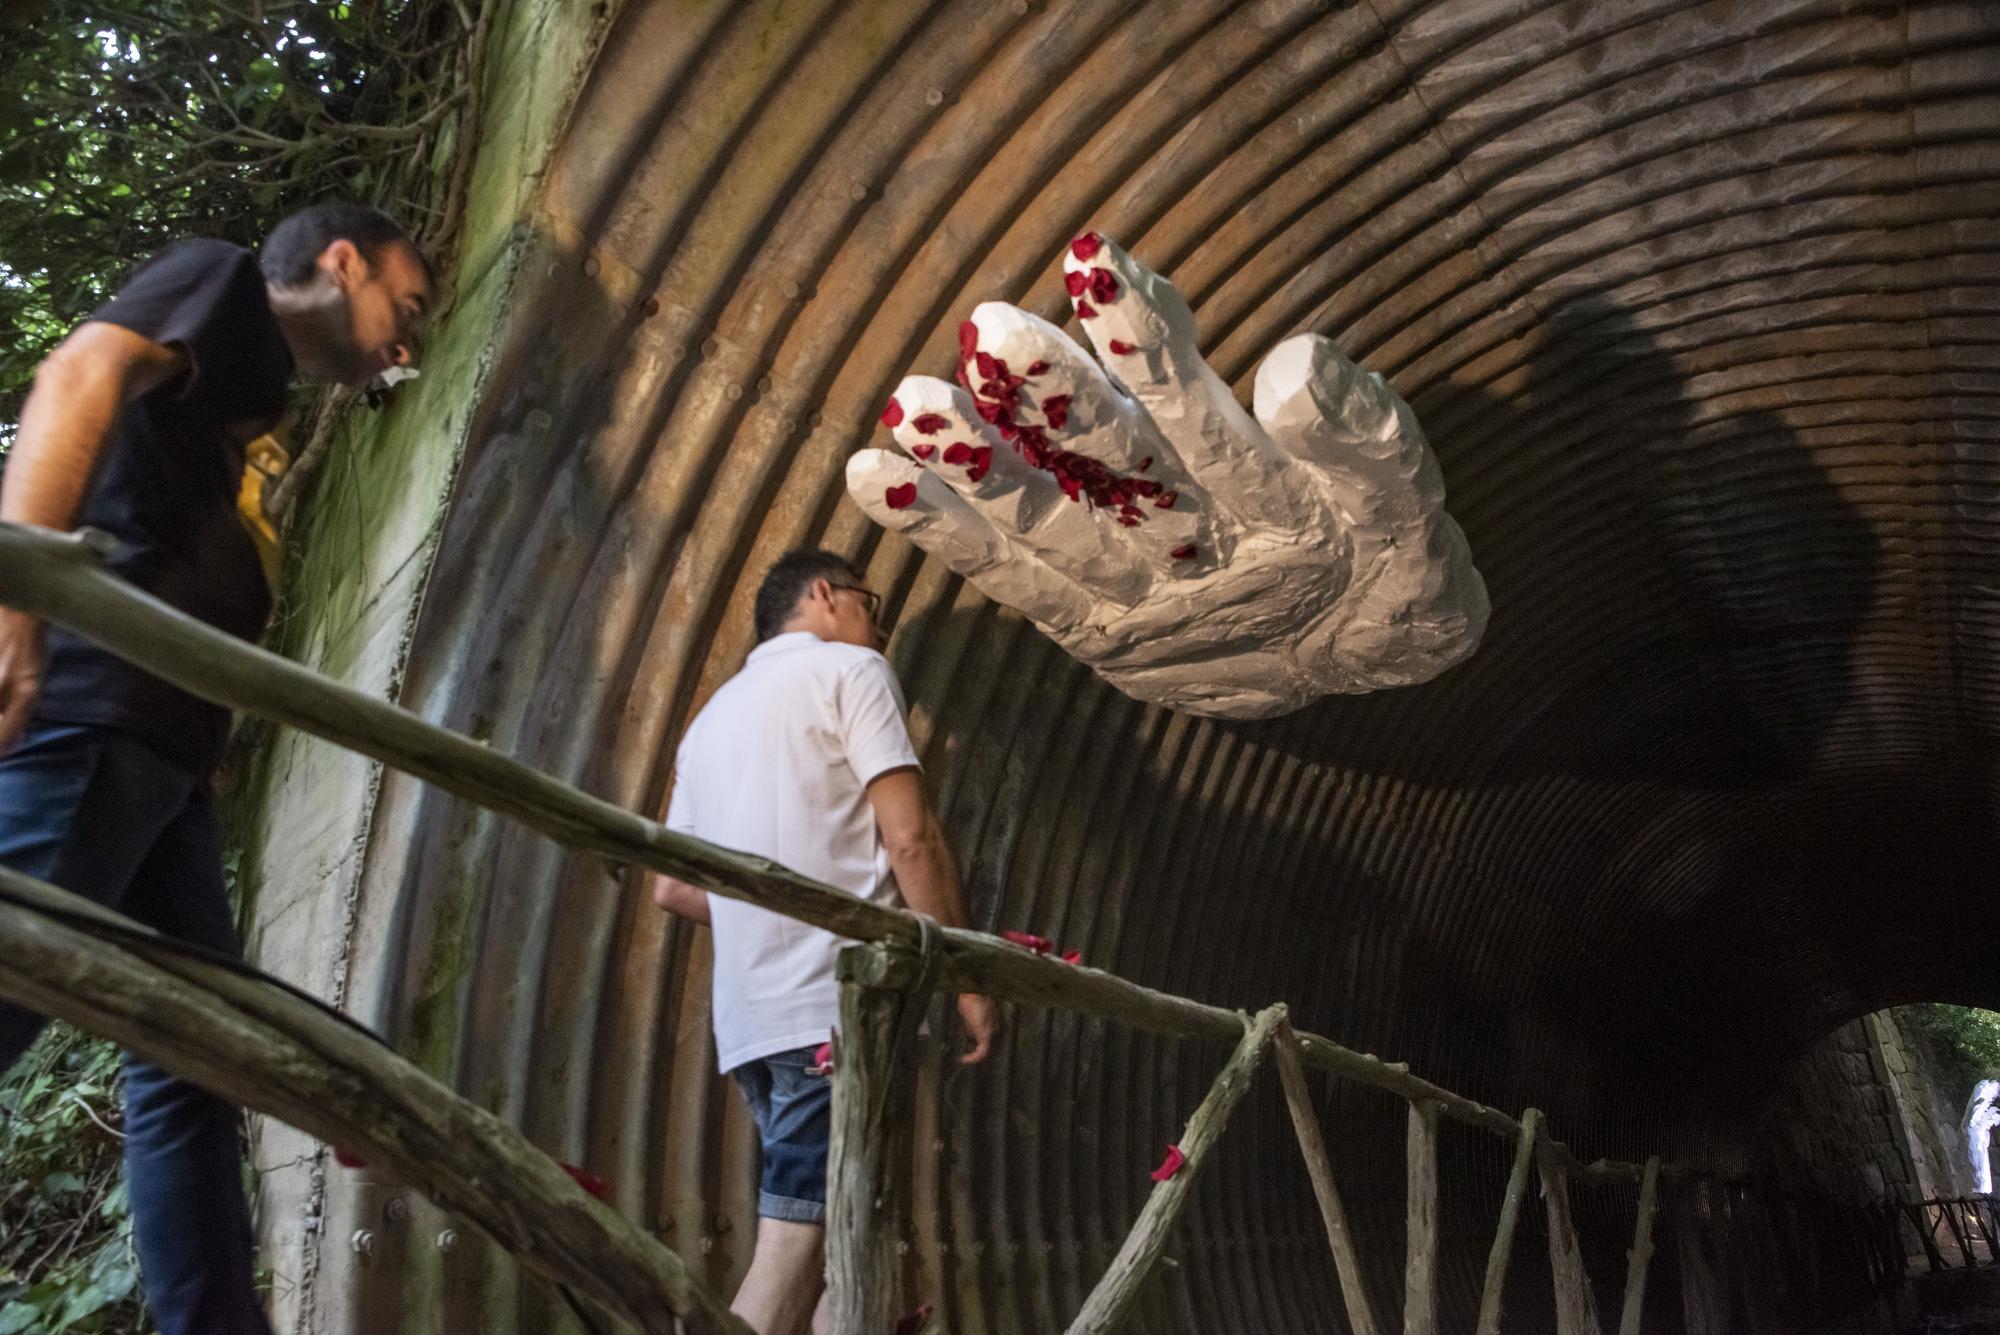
[1145,463]
[968,339]
[923,451]
[1166,500]
[1038,368]
[901,498]
[589,1181]
[1122,348]
[1076,282]
[1128,521]
[347,1158]
[1084,310]
[1072,957]
[892,416]
[982,459]
[1169,1165]
[989,365]
[1056,408]
[1087,245]
[1027,941]
[992,412]
[1104,285]
[958,452]
[930,423]
[1184,552]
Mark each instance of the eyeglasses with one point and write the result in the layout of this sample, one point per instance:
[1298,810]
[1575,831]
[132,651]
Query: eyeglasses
[869,598]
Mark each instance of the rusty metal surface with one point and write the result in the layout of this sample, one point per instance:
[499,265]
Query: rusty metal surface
[1698,305]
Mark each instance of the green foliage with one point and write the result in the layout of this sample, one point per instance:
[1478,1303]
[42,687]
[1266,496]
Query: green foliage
[66,1260]
[127,124]
[1964,1041]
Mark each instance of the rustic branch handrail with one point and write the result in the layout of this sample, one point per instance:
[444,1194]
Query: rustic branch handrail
[61,579]
[260,1045]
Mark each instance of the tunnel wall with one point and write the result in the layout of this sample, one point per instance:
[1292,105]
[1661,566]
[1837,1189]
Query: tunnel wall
[1696,304]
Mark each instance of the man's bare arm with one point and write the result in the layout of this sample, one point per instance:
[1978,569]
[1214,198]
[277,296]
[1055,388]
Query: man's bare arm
[79,390]
[928,878]
[678,897]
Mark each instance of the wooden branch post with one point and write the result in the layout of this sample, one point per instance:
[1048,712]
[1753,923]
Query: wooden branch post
[1298,1098]
[1420,1297]
[1510,1216]
[1111,1301]
[1576,1305]
[256,1044]
[871,1102]
[1642,1250]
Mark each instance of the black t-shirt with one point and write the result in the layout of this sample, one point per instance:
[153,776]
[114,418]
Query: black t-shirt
[166,489]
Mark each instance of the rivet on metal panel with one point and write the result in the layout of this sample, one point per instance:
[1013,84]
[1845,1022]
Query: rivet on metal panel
[786,426]
[673,352]
[396,1210]
[792,289]
[447,1239]
[709,347]
[1020,8]
[722,1225]
[935,97]
[590,266]
[812,421]
[734,392]
[763,384]
[649,308]
[363,1241]
[857,192]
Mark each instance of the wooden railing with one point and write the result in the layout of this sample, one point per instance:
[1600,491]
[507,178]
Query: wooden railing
[315,1071]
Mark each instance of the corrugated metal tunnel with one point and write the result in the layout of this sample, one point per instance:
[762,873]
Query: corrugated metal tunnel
[1697,303]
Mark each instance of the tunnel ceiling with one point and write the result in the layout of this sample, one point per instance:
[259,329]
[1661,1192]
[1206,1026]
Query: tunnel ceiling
[1697,303]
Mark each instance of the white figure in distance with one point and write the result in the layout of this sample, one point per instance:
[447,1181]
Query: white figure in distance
[1192,555]
[1982,1114]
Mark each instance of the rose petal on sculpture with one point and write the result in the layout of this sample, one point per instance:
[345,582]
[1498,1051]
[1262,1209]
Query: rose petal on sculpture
[1085,311]
[1166,499]
[1076,284]
[1169,1165]
[968,339]
[892,416]
[923,451]
[901,498]
[347,1158]
[982,460]
[1072,957]
[1104,286]
[1122,348]
[1185,552]
[1027,941]
[930,423]
[1086,246]
[1038,368]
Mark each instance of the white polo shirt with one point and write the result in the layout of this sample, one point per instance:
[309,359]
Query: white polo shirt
[778,763]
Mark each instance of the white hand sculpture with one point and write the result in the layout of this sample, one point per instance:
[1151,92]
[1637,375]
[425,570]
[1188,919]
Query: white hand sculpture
[1191,556]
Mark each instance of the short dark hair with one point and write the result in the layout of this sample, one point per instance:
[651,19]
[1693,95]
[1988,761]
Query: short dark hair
[291,253]
[789,578]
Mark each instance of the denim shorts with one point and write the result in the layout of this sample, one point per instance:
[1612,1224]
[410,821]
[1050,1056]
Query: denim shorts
[794,1115]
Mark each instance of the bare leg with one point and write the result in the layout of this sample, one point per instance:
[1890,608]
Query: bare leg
[787,1277]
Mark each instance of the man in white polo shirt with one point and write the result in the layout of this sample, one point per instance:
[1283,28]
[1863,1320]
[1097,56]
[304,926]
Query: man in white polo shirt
[803,757]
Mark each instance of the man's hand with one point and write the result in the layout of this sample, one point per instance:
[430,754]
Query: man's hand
[20,672]
[981,1019]
[1195,556]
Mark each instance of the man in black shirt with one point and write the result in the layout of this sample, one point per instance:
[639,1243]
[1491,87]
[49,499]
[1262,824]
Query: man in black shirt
[137,426]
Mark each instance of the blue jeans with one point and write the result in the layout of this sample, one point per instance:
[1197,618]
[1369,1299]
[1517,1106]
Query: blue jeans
[793,1110]
[101,814]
